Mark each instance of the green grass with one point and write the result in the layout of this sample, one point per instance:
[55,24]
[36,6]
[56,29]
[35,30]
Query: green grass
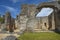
[40,36]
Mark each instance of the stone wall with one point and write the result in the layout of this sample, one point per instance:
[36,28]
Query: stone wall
[58,20]
[44,23]
[9,22]
[27,18]
[32,24]
[23,21]
[51,20]
[29,10]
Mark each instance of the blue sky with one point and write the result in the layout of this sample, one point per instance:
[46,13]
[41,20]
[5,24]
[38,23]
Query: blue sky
[14,5]
[45,12]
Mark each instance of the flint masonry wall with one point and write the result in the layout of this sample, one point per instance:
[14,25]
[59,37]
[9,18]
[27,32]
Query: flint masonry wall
[58,20]
[44,23]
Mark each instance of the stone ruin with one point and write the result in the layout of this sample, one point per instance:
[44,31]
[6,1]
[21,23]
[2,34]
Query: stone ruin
[28,21]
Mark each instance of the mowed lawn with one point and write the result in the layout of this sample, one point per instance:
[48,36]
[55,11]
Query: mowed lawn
[40,36]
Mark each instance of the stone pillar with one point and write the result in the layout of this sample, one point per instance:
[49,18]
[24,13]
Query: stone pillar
[57,22]
[53,20]
[8,22]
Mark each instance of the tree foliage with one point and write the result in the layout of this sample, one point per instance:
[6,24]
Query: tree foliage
[1,20]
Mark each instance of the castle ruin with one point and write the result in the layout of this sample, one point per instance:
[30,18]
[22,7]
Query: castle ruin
[28,21]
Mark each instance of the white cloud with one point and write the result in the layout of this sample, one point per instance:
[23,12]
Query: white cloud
[15,1]
[52,0]
[45,12]
[55,0]
[10,8]
[13,11]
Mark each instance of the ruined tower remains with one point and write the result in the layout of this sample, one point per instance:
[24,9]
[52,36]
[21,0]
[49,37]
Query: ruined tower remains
[8,22]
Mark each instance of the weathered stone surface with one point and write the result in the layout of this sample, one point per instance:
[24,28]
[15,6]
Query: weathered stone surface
[27,18]
[10,38]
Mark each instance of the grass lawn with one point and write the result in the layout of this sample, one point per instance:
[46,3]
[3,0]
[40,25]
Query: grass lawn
[40,36]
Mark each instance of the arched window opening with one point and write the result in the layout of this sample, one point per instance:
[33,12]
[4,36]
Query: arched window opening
[45,12]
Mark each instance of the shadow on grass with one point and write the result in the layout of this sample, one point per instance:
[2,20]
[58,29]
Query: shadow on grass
[57,31]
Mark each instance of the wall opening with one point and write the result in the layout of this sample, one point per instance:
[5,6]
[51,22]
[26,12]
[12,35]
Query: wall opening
[45,24]
[45,12]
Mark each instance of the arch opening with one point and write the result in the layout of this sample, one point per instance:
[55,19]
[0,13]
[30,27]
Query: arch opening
[45,12]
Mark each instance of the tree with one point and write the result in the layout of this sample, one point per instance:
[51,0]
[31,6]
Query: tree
[1,20]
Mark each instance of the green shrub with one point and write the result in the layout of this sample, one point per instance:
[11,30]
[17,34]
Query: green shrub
[1,20]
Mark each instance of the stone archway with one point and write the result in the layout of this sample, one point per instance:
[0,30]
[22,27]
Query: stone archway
[53,16]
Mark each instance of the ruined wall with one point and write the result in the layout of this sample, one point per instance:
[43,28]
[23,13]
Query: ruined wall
[58,20]
[51,18]
[32,24]
[9,22]
[27,12]
[53,21]
[23,21]
[50,22]
[44,23]
[31,11]
[29,21]
[17,22]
